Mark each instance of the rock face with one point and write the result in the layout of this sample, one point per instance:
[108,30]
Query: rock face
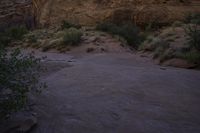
[15,12]
[91,12]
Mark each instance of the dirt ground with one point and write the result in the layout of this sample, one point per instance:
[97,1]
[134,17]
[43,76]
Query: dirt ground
[116,93]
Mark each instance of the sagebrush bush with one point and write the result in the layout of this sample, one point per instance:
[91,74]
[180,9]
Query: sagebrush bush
[193,32]
[12,33]
[193,18]
[152,43]
[160,46]
[4,39]
[191,56]
[128,31]
[66,25]
[166,55]
[18,75]
[177,24]
[32,38]
[72,37]
[16,33]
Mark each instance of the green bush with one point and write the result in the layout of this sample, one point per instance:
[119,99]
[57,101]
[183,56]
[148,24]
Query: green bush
[72,36]
[12,33]
[32,38]
[160,47]
[16,33]
[106,27]
[177,24]
[166,55]
[193,32]
[4,39]
[152,43]
[191,56]
[67,25]
[18,75]
[128,31]
[151,26]
[193,18]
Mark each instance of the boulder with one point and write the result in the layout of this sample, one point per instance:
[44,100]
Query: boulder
[21,122]
[180,63]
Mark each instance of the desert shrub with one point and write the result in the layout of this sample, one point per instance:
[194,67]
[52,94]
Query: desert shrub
[191,56]
[12,33]
[193,33]
[32,38]
[66,25]
[18,76]
[158,52]
[152,25]
[193,18]
[167,54]
[128,31]
[4,39]
[160,47]
[153,43]
[106,27]
[16,33]
[177,24]
[72,36]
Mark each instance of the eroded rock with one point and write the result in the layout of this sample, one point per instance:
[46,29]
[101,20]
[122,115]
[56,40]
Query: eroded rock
[16,12]
[21,122]
[92,12]
[179,63]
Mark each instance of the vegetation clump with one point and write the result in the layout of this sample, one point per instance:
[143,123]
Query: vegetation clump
[129,32]
[193,33]
[72,36]
[19,74]
[192,18]
[66,25]
[12,33]
[191,56]
[177,24]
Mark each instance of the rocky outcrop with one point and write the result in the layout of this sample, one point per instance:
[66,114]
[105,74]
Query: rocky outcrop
[19,122]
[91,12]
[180,63]
[16,12]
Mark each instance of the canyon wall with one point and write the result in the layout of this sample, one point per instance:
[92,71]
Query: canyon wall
[47,13]
[91,12]
[16,12]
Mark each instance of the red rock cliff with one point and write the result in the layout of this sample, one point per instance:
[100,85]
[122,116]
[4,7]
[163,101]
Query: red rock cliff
[91,12]
[16,12]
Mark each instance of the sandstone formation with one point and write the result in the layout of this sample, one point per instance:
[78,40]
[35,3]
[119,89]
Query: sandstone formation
[15,12]
[91,12]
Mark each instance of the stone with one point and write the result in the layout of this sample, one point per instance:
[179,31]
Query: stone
[19,122]
[27,125]
[180,63]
